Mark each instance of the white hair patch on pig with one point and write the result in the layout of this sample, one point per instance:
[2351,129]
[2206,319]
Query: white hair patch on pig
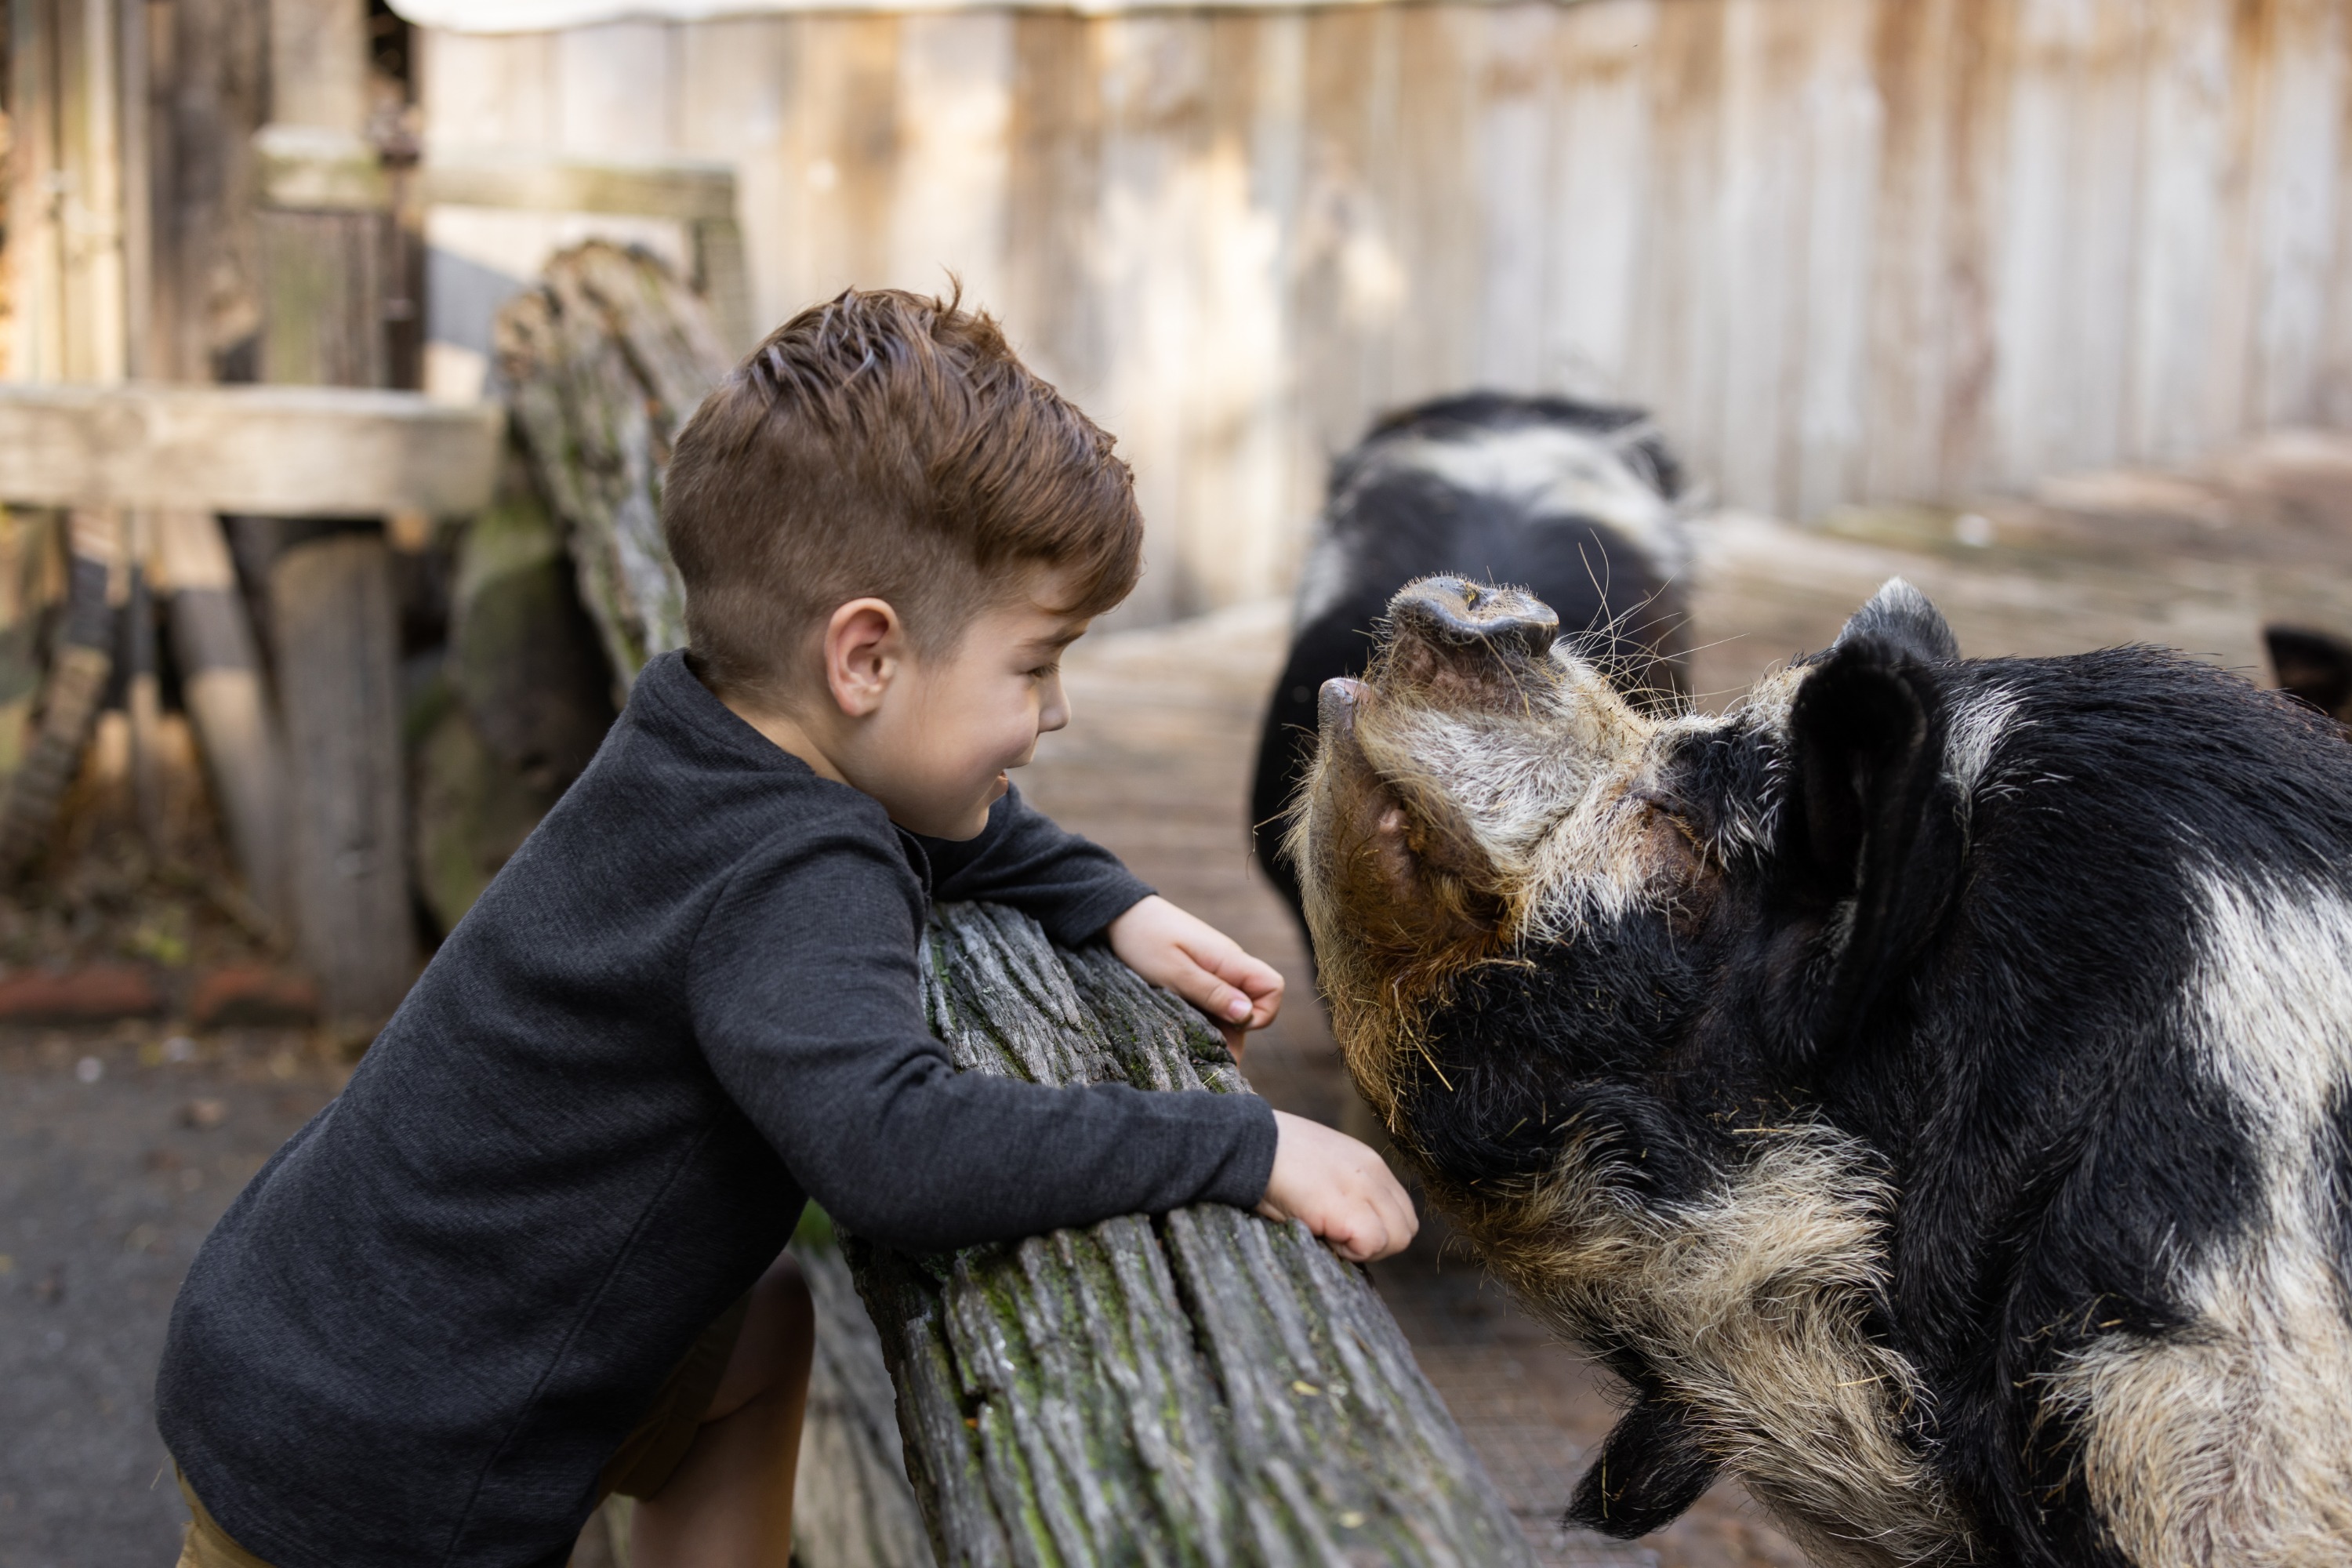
[1556,473]
[1322,578]
[1976,726]
[1749,1306]
[2226,1442]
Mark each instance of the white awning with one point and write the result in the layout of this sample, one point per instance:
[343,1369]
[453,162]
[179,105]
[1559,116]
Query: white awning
[549,16]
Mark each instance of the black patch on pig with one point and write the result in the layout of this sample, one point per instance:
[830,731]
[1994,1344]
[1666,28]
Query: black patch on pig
[2336,1160]
[1650,1471]
[1406,525]
[1561,1044]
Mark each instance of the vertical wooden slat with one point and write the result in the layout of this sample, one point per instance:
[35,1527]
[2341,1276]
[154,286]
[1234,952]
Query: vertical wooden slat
[955,78]
[500,89]
[1754,264]
[844,138]
[1603,164]
[1905,302]
[2086,409]
[2296,210]
[1984,47]
[1052,196]
[1234,436]
[333,620]
[1826,367]
[2185,173]
[212,70]
[1277,174]
[1511,163]
[36,349]
[2226,332]
[615,94]
[1443,66]
[733,90]
[1676,359]
[1154,73]
[2334,372]
[2032,324]
[1344,277]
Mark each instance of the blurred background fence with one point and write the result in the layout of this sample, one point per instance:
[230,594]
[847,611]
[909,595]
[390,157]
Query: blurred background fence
[1848,249]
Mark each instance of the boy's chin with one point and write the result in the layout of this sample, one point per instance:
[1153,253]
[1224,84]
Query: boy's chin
[967,823]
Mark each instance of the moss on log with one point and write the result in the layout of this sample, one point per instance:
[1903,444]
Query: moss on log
[1205,1387]
[603,362]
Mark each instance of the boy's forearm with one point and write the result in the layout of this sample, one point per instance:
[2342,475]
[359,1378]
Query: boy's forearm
[967,1160]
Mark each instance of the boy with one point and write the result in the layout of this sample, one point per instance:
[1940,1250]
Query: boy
[531,1254]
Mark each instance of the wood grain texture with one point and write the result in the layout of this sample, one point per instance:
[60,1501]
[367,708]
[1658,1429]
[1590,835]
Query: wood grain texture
[1851,250]
[1206,1387]
[276,451]
[604,360]
[333,616]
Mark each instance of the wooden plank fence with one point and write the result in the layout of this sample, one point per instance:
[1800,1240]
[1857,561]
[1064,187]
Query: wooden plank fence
[1850,250]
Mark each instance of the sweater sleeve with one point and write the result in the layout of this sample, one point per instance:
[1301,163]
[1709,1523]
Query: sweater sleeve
[804,1000]
[1071,886]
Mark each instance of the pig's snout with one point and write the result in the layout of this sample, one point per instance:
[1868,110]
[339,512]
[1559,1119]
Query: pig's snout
[1450,610]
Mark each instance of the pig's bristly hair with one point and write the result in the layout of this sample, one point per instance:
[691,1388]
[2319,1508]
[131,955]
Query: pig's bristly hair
[2050,1264]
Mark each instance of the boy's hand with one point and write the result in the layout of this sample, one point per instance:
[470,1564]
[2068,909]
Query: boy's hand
[1199,963]
[1343,1190]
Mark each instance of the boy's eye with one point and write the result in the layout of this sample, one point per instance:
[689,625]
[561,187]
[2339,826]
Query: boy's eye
[1045,671]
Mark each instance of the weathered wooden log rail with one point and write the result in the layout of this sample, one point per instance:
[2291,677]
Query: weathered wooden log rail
[1207,1387]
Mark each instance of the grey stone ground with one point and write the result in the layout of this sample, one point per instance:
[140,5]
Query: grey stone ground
[109,1175]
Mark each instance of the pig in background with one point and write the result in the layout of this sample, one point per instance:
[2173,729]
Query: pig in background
[1578,501]
[1928,1085]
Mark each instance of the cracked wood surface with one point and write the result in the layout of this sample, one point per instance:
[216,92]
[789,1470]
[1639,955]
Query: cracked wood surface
[1207,1387]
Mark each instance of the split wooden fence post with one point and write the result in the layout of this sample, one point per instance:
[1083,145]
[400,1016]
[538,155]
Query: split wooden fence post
[220,681]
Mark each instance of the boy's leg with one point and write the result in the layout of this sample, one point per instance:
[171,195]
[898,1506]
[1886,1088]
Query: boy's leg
[729,1502]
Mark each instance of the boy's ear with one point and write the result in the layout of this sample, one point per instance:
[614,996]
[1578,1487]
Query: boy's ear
[861,655]
[1870,843]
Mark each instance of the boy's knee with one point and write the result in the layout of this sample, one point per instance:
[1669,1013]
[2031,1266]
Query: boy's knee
[772,1352]
[782,1295]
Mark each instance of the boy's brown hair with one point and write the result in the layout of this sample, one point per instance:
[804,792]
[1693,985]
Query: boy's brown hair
[889,445]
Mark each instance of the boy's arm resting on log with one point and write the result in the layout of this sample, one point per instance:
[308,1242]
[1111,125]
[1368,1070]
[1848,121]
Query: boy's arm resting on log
[805,992]
[1204,1387]
[1071,886]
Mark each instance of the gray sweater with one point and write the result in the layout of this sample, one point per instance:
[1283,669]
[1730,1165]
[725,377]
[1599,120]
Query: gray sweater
[686,1006]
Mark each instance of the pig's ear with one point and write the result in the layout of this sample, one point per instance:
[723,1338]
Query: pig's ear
[1900,616]
[1870,852]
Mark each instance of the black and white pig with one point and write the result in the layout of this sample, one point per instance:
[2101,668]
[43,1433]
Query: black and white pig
[1577,501]
[1928,1084]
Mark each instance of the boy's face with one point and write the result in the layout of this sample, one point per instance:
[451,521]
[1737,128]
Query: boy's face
[936,749]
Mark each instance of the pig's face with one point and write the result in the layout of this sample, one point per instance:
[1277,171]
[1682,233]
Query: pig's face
[1885,1077]
[1484,800]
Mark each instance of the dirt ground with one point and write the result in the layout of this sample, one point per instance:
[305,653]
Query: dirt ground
[118,1149]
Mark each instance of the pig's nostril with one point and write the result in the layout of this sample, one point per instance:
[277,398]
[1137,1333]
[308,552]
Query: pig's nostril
[1460,611]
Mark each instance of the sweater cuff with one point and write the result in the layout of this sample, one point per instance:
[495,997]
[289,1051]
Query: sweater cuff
[1082,920]
[1242,1180]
